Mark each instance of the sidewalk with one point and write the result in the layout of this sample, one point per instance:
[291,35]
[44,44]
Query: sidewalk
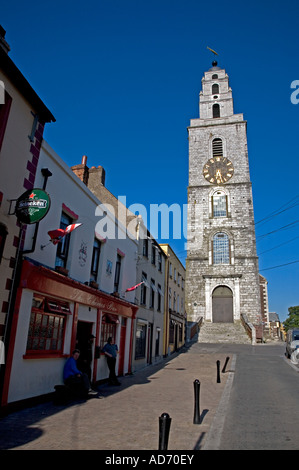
[127,418]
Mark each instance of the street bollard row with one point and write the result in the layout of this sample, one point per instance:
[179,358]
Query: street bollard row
[165,419]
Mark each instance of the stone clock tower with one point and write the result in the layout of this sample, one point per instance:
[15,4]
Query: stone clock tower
[222,278]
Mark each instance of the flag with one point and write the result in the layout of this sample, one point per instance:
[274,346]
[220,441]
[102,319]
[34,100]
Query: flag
[57,235]
[134,287]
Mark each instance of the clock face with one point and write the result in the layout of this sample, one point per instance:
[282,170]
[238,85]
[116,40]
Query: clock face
[218,170]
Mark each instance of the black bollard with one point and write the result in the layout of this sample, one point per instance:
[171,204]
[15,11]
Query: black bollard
[196,417]
[224,367]
[164,428]
[218,372]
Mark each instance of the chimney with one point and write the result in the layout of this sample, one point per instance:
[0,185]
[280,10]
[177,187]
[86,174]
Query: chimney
[3,43]
[82,170]
[96,177]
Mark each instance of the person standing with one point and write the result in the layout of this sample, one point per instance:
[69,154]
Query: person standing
[110,349]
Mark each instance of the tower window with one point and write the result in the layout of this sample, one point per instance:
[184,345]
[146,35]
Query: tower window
[221,248]
[217,147]
[215,76]
[219,201]
[215,89]
[216,110]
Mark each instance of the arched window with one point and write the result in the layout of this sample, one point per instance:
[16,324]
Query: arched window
[216,110]
[217,147]
[215,76]
[219,204]
[215,89]
[221,248]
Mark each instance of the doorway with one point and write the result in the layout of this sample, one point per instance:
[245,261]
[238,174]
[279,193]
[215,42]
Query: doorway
[84,331]
[222,305]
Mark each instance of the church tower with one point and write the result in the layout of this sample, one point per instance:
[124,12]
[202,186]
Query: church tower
[222,278]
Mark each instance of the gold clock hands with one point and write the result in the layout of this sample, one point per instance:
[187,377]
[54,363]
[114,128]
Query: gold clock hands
[218,176]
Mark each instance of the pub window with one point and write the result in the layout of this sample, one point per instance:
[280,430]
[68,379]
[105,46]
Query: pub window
[63,245]
[221,248]
[47,326]
[108,329]
[216,110]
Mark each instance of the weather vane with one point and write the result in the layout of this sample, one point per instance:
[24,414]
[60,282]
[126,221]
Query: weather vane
[214,52]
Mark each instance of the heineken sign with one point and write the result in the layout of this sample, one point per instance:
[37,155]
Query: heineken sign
[32,206]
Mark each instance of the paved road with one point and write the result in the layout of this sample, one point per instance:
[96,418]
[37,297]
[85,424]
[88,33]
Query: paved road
[127,418]
[255,406]
[262,412]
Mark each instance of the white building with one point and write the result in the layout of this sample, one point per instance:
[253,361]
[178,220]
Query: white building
[56,305]
[149,326]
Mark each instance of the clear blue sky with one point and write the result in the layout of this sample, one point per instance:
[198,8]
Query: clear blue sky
[122,79]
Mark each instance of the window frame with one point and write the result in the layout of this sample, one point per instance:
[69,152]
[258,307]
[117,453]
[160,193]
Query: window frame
[223,203]
[47,308]
[140,342]
[225,256]
[64,245]
[95,260]
[216,111]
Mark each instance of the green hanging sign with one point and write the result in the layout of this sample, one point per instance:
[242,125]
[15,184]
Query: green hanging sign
[32,206]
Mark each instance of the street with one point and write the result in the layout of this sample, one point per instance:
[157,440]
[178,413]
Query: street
[262,411]
[254,407]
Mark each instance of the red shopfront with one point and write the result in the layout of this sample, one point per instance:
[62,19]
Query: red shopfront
[48,307]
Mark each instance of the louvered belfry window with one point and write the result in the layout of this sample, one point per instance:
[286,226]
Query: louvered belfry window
[217,148]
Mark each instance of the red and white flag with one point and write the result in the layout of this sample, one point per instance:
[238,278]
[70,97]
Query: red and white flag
[134,287]
[58,234]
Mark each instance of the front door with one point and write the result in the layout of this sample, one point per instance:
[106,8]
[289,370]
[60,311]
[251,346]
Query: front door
[222,304]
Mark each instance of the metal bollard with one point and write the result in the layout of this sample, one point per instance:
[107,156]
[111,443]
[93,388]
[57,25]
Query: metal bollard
[218,372]
[224,367]
[196,417]
[164,428]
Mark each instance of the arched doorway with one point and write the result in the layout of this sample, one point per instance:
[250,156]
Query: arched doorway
[222,304]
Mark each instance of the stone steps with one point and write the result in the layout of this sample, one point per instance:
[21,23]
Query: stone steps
[223,333]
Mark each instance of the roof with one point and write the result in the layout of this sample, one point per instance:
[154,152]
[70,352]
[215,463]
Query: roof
[20,82]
